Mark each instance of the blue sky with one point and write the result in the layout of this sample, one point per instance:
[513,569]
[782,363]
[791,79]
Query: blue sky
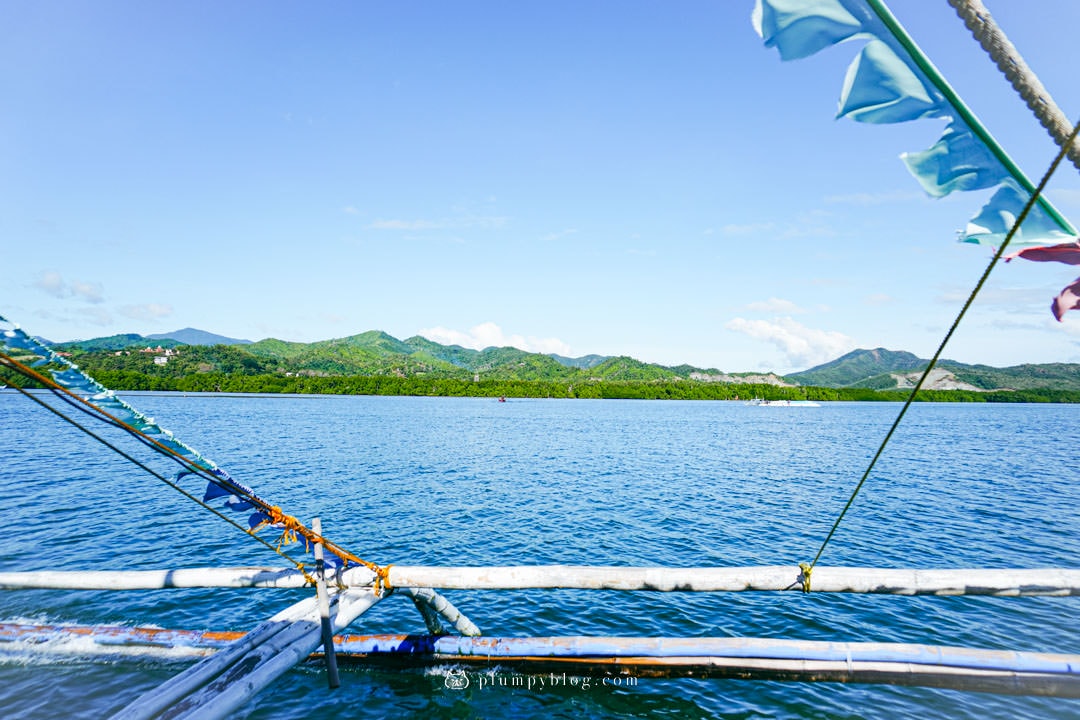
[628,177]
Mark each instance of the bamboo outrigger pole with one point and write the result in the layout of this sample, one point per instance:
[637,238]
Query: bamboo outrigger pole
[537,662]
[767,578]
[216,686]
[882,581]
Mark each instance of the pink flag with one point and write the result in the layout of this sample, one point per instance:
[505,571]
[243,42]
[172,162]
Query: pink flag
[1068,253]
[1069,299]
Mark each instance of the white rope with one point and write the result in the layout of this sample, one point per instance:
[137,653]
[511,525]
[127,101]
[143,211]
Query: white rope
[977,19]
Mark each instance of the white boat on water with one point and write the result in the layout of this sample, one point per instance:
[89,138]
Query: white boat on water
[783,403]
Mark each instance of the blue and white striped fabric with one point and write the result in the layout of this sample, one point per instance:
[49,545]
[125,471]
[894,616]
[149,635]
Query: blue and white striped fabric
[68,376]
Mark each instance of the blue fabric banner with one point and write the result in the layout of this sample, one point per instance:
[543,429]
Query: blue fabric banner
[884,84]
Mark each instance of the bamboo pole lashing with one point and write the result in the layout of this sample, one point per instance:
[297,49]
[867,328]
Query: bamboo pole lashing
[431,618]
[444,608]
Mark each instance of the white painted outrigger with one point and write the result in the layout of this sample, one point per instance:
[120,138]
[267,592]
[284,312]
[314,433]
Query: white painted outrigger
[242,664]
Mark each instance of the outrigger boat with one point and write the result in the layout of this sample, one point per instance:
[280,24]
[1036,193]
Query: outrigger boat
[233,666]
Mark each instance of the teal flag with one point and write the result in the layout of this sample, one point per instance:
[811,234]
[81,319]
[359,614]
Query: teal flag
[891,81]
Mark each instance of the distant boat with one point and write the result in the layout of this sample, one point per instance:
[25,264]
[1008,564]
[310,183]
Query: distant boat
[502,399]
[783,403]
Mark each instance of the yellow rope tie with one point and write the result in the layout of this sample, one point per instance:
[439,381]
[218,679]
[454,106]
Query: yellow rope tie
[804,576]
[307,576]
[289,524]
[293,528]
[382,581]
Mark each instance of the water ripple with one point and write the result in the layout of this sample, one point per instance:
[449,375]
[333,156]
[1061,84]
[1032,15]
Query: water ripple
[464,481]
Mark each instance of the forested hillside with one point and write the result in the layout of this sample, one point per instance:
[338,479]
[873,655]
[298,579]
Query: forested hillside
[377,363]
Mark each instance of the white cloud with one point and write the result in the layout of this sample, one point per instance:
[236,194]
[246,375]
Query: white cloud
[878,299]
[90,292]
[1066,196]
[1069,324]
[815,223]
[775,305]
[489,334]
[95,316]
[749,229]
[558,235]
[867,199]
[404,225]
[147,311]
[801,346]
[1002,299]
[810,224]
[467,221]
[952,296]
[54,284]
[489,221]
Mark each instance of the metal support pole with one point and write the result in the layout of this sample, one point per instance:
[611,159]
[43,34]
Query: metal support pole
[332,678]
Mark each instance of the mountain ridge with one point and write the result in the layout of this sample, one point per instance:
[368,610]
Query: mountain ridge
[193,336]
[378,353]
[882,369]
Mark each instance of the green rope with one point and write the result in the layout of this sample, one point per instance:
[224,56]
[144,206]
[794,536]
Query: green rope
[941,348]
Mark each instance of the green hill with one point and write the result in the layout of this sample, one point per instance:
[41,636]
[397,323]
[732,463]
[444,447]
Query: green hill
[857,367]
[584,362]
[882,369]
[376,354]
[118,342]
[191,336]
[627,369]
[1058,376]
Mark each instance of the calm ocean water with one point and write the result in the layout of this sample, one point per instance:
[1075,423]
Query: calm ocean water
[473,481]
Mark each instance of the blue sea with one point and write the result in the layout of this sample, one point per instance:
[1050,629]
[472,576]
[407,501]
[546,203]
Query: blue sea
[425,481]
